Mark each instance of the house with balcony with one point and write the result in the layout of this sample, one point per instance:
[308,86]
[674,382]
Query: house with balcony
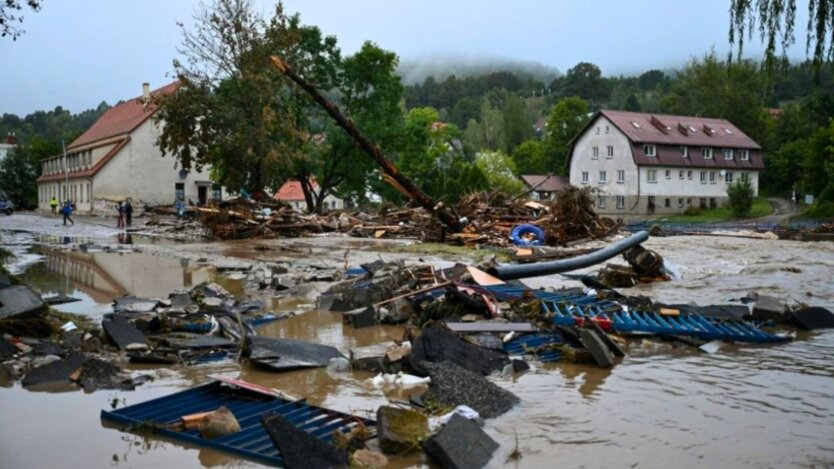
[117,158]
[644,164]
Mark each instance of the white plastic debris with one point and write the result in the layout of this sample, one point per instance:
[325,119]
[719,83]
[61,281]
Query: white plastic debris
[399,379]
[590,292]
[338,365]
[508,337]
[69,326]
[463,410]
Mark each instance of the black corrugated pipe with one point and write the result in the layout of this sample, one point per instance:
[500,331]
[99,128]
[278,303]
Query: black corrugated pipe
[515,271]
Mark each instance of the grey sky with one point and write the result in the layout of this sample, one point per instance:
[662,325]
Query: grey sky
[77,53]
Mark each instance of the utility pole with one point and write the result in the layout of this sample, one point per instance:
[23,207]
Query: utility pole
[66,173]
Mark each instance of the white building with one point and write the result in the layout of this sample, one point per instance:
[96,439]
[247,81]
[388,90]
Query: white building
[292,193]
[7,145]
[643,164]
[116,158]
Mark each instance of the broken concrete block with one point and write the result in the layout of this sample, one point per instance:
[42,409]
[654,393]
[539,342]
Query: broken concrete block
[400,430]
[461,444]
[124,334]
[331,302]
[599,350]
[362,317]
[20,302]
[99,374]
[520,366]
[452,385]
[56,372]
[814,317]
[769,308]
[300,449]
[436,344]
[287,354]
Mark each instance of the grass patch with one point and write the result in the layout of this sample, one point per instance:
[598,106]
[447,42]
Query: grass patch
[449,250]
[761,208]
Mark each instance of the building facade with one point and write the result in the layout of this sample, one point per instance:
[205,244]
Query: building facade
[117,158]
[544,187]
[644,164]
[292,193]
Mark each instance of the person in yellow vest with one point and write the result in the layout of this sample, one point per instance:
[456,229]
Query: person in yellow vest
[53,202]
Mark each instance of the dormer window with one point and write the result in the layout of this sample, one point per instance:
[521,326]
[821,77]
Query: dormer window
[650,150]
[728,153]
[685,152]
[706,152]
[744,155]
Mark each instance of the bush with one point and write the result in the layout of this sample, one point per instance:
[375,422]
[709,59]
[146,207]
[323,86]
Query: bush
[740,195]
[693,211]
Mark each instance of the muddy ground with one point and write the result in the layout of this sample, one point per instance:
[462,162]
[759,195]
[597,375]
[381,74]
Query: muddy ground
[745,406]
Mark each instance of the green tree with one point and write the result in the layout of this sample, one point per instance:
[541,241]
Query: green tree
[564,122]
[10,16]
[20,169]
[529,158]
[585,81]
[818,165]
[498,168]
[518,124]
[740,197]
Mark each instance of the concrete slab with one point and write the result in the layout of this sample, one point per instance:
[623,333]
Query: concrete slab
[591,340]
[20,302]
[461,444]
[300,449]
[124,334]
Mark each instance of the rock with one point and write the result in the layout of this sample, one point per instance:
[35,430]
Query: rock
[92,345]
[436,345]
[44,360]
[124,334]
[131,304]
[332,302]
[398,312]
[48,347]
[520,366]
[599,350]
[7,350]
[20,302]
[287,354]
[7,375]
[372,364]
[338,365]
[400,430]
[299,449]
[452,385]
[72,340]
[99,374]
[218,423]
[56,372]
[769,308]
[362,317]
[395,353]
[367,459]
[814,317]
[461,444]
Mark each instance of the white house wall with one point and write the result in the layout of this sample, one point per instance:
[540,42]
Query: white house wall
[602,134]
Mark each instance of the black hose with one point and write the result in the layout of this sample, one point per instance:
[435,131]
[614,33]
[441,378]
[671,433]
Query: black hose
[516,271]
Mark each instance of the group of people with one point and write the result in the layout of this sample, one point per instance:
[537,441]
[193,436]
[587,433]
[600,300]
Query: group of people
[125,211]
[66,209]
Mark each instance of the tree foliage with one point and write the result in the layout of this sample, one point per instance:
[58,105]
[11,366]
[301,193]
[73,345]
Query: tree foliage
[499,170]
[11,18]
[20,169]
[564,122]
[740,197]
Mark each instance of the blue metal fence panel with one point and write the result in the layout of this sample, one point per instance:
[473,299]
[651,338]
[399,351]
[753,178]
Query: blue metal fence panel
[251,441]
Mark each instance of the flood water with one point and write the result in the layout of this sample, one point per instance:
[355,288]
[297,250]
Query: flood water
[744,406]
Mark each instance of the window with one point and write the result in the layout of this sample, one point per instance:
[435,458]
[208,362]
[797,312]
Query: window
[179,191]
[668,174]
[728,177]
[728,153]
[216,192]
[680,203]
[689,174]
[712,177]
[600,202]
[712,203]
[620,176]
[702,202]
[603,177]
[606,129]
[595,153]
[651,175]
[668,202]
[597,130]
[620,202]
[680,174]
[706,153]
[685,152]
[745,155]
[650,150]
[584,177]
[744,177]
[703,177]
[688,202]
[610,151]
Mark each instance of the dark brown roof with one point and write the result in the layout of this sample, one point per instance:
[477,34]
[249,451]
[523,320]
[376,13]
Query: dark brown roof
[671,156]
[549,183]
[679,130]
[121,119]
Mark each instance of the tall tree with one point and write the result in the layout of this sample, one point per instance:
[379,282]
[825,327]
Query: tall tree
[518,124]
[20,169]
[585,81]
[10,16]
[564,122]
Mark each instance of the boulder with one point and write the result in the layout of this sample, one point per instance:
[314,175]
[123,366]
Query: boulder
[361,317]
[218,423]
[814,317]
[769,308]
[299,449]
[437,344]
[452,385]
[461,444]
[400,430]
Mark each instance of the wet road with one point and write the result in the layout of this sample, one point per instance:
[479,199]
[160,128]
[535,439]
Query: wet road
[745,406]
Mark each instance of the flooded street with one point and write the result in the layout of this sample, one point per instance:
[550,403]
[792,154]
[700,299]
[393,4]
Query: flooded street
[744,406]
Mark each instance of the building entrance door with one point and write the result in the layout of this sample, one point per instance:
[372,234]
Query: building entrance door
[202,194]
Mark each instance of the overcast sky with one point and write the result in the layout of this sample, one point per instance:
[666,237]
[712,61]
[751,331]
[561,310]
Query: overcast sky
[77,53]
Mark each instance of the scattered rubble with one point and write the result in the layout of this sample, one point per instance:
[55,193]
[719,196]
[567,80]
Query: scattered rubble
[461,444]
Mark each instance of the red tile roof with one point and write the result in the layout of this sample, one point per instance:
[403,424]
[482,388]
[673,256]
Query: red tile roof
[549,183]
[291,191]
[121,119]
[679,130]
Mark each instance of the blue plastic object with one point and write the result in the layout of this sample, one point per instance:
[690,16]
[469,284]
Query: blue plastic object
[517,235]
[248,406]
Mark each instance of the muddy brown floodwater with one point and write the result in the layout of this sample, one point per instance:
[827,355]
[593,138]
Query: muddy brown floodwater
[744,406]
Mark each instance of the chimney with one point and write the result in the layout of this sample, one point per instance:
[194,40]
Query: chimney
[146,92]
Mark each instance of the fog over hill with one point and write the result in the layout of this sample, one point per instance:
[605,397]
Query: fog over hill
[440,66]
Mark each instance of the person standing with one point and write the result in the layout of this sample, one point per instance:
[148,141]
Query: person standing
[53,202]
[128,209]
[120,208]
[67,211]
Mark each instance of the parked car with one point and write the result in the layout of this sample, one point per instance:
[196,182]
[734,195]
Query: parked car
[6,206]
